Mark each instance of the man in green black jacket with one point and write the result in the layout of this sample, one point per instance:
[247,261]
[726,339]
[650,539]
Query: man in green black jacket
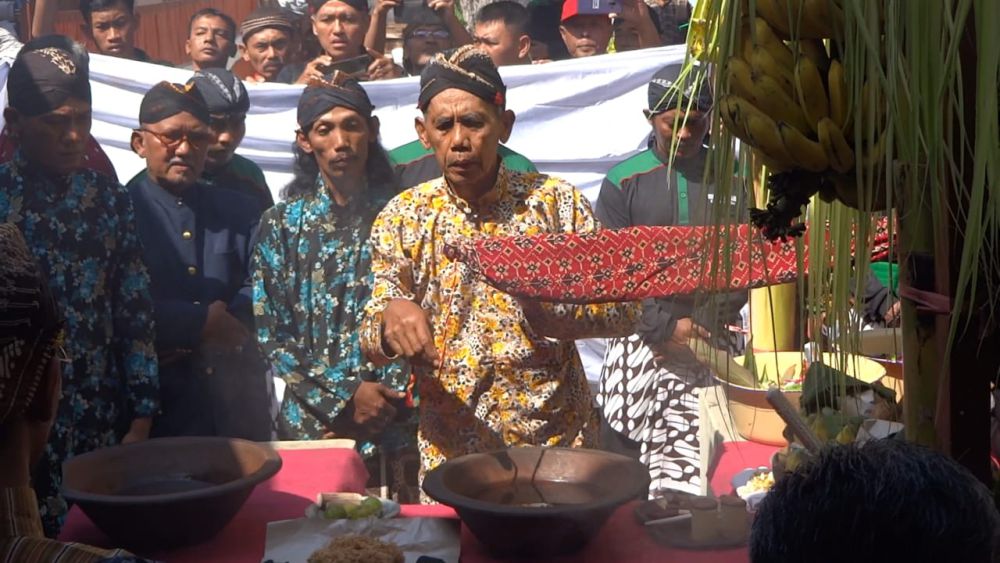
[648,394]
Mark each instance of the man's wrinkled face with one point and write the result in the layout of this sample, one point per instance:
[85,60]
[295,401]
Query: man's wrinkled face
[210,42]
[586,35]
[689,133]
[113,31]
[268,51]
[228,131]
[339,141]
[464,131]
[340,29]
[504,44]
[425,42]
[175,150]
[55,141]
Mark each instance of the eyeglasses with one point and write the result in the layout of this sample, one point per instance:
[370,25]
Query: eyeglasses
[435,33]
[172,141]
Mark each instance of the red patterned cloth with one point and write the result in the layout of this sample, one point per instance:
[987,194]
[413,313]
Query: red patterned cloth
[636,263]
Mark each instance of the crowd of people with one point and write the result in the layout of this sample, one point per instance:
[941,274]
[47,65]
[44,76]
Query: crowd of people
[167,305]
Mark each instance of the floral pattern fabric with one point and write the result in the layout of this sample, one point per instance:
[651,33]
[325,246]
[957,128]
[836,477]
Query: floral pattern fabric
[311,280]
[82,232]
[509,373]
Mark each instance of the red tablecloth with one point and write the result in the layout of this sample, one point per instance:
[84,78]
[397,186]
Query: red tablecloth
[308,472]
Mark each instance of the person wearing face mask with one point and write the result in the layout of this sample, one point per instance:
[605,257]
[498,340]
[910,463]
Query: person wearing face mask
[228,102]
[197,243]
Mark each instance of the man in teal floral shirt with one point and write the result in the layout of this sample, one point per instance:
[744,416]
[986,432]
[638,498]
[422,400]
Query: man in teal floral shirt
[312,279]
[80,227]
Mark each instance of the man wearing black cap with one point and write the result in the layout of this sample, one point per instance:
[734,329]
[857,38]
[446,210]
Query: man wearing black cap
[31,345]
[493,371]
[228,103]
[269,42]
[312,278]
[655,189]
[81,228]
[340,26]
[197,244]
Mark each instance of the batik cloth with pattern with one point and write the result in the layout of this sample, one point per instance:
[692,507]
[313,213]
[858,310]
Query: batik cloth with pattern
[638,262]
[22,541]
[311,279]
[508,374]
[82,232]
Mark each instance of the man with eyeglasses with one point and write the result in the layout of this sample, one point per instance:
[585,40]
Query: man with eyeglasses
[81,228]
[421,41]
[228,103]
[197,245]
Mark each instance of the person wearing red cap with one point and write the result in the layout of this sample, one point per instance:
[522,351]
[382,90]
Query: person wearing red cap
[586,27]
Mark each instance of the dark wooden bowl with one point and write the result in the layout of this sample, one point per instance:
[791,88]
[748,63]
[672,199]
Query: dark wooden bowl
[497,495]
[166,493]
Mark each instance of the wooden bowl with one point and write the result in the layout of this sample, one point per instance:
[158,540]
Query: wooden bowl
[535,502]
[755,419]
[166,493]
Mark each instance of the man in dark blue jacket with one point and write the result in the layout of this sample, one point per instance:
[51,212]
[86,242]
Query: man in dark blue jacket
[197,245]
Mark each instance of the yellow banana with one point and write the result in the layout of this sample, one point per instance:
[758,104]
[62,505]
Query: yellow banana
[771,98]
[755,128]
[806,153]
[821,19]
[764,64]
[732,118]
[838,151]
[767,39]
[775,12]
[740,77]
[766,138]
[839,102]
[815,51]
[810,92]
[802,19]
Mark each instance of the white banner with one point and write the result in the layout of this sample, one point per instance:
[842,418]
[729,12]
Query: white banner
[575,119]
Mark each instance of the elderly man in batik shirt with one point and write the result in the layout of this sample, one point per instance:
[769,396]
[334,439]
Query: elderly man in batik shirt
[493,371]
[312,277]
[80,226]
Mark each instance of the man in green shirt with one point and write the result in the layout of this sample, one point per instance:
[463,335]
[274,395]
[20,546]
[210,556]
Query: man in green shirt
[228,102]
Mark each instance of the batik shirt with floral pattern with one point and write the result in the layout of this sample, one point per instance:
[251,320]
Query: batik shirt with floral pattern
[508,375]
[82,232]
[311,280]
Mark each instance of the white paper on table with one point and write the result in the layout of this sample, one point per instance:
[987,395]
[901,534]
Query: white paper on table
[293,541]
